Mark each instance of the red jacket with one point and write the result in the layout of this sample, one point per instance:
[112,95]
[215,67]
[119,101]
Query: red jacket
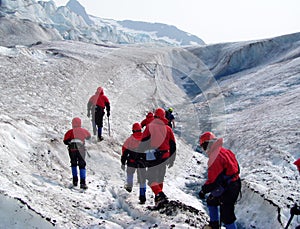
[149,118]
[132,142]
[130,145]
[77,132]
[160,136]
[297,163]
[102,100]
[220,160]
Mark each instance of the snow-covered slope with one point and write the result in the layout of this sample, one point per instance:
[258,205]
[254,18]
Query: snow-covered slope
[71,22]
[44,86]
[50,84]
[255,105]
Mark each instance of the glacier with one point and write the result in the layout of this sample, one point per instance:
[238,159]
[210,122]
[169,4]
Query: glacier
[71,22]
[247,92]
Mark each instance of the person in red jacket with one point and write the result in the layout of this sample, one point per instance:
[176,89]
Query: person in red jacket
[158,142]
[135,161]
[91,105]
[223,182]
[75,139]
[149,118]
[101,103]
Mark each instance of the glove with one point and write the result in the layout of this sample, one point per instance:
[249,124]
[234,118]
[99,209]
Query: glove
[201,195]
[295,210]
[88,114]
[108,113]
[123,167]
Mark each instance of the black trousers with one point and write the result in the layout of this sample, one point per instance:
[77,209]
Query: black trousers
[77,158]
[227,201]
[99,113]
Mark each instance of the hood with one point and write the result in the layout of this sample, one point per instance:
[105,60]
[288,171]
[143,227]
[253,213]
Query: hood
[159,113]
[76,122]
[150,115]
[100,91]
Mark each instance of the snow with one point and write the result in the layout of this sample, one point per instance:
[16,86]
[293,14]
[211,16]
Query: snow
[44,86]
[247,92]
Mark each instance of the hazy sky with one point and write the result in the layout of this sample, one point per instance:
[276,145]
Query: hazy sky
[214,21]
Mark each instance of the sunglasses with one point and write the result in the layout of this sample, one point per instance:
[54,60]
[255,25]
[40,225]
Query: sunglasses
[205,144]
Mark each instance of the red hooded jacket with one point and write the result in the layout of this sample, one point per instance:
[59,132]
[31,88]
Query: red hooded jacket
[130,146]
[220,160]
[149,118]
[160,136]
[102,100]
[297,163]
[76,133]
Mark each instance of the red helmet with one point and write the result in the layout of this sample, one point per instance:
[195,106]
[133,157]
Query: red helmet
[136,127]
[149,115]
[206,137]
[159,113]
[76,122]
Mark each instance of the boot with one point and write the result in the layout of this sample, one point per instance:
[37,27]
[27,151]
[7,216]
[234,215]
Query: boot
[75,181]
[212,225]
[100,138]
[128,187]
[142,199]
[160,200]
[83,184]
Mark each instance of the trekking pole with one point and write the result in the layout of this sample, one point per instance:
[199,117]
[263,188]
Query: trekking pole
[295,210]
[290,220]
[108,126]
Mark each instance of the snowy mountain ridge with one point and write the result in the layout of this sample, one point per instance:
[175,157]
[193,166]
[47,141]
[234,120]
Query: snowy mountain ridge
[71,22]
[236,58]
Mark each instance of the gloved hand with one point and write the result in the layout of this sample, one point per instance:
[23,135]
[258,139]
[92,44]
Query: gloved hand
[295,210]
[108,113]
[88,114]
[201,195]
[123,167]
